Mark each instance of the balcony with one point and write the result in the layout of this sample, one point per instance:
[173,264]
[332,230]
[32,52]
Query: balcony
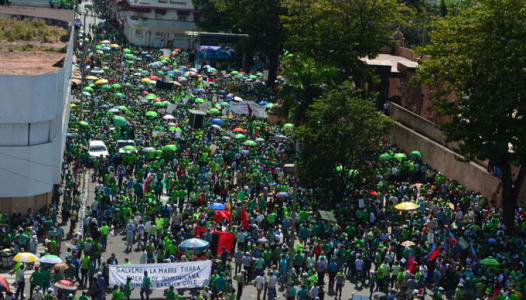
[161,23]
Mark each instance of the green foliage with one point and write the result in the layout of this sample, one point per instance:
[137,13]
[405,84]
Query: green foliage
[443,8]
[479,57]
[306,81]
[28,30]
[341,131]
[341,32]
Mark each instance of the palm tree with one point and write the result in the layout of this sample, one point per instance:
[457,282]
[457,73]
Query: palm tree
[306,81]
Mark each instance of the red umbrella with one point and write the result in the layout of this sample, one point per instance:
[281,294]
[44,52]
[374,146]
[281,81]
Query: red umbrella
[239,130]
[154,77]
[157,100]
[4,286]
[65,284]
[374,193]
[145,93]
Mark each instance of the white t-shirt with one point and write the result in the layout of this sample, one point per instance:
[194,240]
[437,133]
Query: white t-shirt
[260,281]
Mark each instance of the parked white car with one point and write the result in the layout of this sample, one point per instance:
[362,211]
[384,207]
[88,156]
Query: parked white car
[98,148]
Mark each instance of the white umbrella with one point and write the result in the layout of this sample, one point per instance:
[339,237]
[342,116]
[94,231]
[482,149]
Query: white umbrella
[149,149]
[168,117]
[114,110]
[193,70]
[238,99]
[50,259]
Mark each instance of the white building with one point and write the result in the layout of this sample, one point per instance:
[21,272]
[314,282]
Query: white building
[35,102]
[158,22]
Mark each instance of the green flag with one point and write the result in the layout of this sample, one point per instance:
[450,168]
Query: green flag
[251,206]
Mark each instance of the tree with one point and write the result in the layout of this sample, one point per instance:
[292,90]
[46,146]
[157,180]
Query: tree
[341,131]
[341,32]
[477,56]
[259,19]
[306,81]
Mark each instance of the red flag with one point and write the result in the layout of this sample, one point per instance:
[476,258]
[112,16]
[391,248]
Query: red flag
[219,215]
[384,143]
[220,240]
[198,231]
[249,110]
[244,218]
[410,263]
[257,134]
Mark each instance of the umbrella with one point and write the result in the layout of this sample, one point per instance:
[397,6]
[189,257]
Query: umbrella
[119,121]
[151,114]
[88,89]
[153,78]
[50,259]
[119,95]
[159,104]
[170,148]
[415,154]
[200,100]
[400,156]
[259,140]
[151,96]
[239,130]
[226,138]
[168,117]
[101,81]
[489,261]
[194,244]
[122,107]
[86,94]
[282,195]
[245,152]
[60,267]
[250,143]
[263,103]
[240,136]
[126,50]
[129,148]
[238,99]
[104,106]
[378,296]
[84,123]
[217,206]
[105,42]
[385,156]
[216,121]
[69,135]
[114,110]
[225,104]
[25,257]
[146,80]
[288,126]
[114,46]
[262,240]
[65,284]
[234,72]
[107,87]
[214,111]
[106,49]
[407,244]
[270,105]
[4,286]
[216,126]
[407,206]
[149,149]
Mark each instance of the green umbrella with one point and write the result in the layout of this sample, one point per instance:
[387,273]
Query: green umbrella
[170,148]
[126,50]
[489,261]
[129,55]
[225,104]
[119,121]
[259,74]
[170,75]
[212,69]
[250,143]
[234,72]
[151,96]
[159,104]
[415,154]
[119,95]
[252,77]
[129,61]
[144,72]
[86,94]
[214,111]
[99,47]
[129,149]
[88,89]
[385,156]
[288,126]
[116,86]
[400,156]
[107,87]
[351,171]
[122,107]
[151,114]
[240,136]
[92,85]
[240,76]
[200,100]
[100,52]
[84,123]
[270,105]
[105,68]
[186,75]
[160,72]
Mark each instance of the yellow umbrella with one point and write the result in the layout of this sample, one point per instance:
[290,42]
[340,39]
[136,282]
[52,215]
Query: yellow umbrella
[114,46]
[146,80]
[73,105]
[407,206]
[25,257]
[91,77]
[407,244]
[101,81]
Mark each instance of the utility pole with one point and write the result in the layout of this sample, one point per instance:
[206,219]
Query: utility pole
[293,213]
[82,69]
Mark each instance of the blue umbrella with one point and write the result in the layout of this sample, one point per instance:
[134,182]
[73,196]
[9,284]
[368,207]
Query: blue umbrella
[263,103]
[198,91]
[69,134]
[170,72]
[194,244]
[105,106]
[106,48]
[148,56]
[282,195]
[229,96]
[180,72]
[216,126]
[222,92]
[217,205]
[216,121]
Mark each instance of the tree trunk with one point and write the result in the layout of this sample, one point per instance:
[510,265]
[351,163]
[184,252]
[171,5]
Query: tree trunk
[509,202]
[272,69]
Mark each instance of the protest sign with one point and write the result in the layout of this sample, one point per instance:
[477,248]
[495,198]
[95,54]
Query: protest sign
[179,275]
[242,109]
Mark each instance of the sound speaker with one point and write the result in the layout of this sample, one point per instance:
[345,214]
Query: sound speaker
[197,118]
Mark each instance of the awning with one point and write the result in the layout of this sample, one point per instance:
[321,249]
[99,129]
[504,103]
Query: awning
[183,12]
[160,11]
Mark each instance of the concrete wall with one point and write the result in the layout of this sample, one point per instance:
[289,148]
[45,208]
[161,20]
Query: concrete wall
[470,175]
[22,204]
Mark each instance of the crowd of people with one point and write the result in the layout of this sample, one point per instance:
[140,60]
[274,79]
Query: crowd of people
[158,192]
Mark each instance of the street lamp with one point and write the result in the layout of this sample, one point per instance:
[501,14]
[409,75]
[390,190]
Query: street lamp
[292,170]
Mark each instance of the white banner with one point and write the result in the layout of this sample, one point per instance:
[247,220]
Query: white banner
[171,108]
[179,275]
[242,109]
[167,52]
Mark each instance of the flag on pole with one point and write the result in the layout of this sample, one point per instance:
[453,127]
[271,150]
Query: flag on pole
[446,246]
[244,218]
[145,182]
[474,254]
[434,252]
[228,205]
[161,42]
[410,263]
[452,237]
[257,134]
[249,110]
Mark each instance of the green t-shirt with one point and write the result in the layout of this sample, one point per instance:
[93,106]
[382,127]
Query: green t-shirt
[37,278]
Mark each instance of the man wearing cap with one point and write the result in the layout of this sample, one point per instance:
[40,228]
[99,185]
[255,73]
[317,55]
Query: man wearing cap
[459,295]
[247,261]
[102,282]
[130,233]
[37,295]
[35,281]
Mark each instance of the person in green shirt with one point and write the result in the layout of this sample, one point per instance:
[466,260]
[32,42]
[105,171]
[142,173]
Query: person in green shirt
[170,294]
[83,296]
[145,288]
[128,288]
[35,280]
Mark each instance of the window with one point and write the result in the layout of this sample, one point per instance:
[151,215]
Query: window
[181,17]
[28,134]
[159,34]
[39,133]
[138,32]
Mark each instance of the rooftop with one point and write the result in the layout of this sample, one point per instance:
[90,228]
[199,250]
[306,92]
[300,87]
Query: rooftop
[29,47]
[392,60]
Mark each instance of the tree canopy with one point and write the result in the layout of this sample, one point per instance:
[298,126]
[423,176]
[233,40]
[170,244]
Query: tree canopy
[477,57]
[340,133]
